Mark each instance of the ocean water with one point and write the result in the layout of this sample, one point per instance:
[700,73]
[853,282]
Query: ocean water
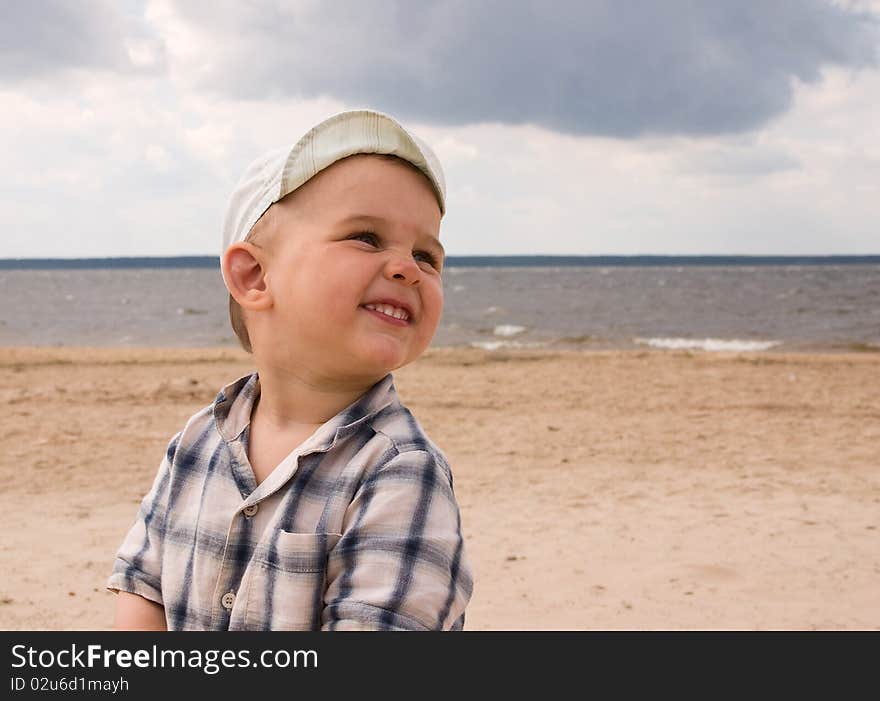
[709,307]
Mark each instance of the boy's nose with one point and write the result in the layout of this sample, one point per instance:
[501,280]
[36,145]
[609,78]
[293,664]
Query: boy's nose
[403,269]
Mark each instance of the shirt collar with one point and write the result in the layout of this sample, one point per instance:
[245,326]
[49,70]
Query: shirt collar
[233,405]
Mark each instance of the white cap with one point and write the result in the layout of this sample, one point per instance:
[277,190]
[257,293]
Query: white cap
[280,172]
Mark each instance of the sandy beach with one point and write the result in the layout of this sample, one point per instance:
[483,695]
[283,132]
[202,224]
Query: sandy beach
[599,490]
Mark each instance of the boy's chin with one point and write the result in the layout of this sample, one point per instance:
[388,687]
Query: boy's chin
[380,359]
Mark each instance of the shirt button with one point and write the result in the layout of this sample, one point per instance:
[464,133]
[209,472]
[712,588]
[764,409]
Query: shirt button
[251,510]
[228,600]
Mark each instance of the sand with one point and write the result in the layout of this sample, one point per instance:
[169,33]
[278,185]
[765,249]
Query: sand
[599,490]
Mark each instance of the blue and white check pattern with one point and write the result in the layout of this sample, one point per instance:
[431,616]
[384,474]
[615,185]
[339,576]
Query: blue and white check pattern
[358,528]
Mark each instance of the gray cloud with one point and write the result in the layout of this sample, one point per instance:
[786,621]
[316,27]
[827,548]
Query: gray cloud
[604,67]
[51,36]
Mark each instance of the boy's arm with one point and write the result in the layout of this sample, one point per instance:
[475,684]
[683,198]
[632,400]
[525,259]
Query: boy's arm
[137,571]
[400,563]
[134,612]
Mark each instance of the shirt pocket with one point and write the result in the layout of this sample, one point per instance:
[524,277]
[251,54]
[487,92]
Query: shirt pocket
[287,584]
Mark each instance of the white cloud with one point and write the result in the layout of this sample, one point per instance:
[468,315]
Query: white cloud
[131,162]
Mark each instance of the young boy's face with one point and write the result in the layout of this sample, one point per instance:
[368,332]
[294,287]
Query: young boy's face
[361,233]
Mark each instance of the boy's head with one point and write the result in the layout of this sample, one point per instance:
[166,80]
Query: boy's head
[331,255]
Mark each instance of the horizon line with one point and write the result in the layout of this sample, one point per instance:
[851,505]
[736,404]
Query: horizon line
[492,255]
[528,260]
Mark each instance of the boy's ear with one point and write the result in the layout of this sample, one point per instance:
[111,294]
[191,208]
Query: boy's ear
[245,275]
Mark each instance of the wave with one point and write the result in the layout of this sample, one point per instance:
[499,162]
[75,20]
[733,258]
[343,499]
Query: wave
[508,330]
[495,345]
[707,344]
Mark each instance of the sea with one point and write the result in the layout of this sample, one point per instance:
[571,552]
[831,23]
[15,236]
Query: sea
[703,303]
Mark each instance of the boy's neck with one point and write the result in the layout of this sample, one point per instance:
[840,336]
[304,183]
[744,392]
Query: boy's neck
[291,406]
[291,398]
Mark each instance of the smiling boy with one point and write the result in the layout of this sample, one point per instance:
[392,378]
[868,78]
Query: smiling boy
[307,496]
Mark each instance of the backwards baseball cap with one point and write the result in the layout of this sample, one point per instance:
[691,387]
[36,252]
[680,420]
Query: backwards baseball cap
[281,171]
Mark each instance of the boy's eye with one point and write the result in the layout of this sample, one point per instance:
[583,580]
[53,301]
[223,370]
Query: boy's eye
[427,257]
[366,236]
[373,239]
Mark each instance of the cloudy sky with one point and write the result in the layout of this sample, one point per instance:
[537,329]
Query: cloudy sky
[565,127]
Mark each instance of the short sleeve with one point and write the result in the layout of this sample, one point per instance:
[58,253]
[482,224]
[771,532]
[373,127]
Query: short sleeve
[138,565]
[400,563]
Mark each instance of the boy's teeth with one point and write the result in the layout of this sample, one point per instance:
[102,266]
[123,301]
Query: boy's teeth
[396,312]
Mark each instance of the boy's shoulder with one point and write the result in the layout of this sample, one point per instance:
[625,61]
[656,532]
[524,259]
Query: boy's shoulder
[405,433]
[390,421]
[223,420]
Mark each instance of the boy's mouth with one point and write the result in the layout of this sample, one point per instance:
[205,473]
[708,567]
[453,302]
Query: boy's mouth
[389,311]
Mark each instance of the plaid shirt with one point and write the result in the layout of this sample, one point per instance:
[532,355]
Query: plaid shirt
[357,528]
